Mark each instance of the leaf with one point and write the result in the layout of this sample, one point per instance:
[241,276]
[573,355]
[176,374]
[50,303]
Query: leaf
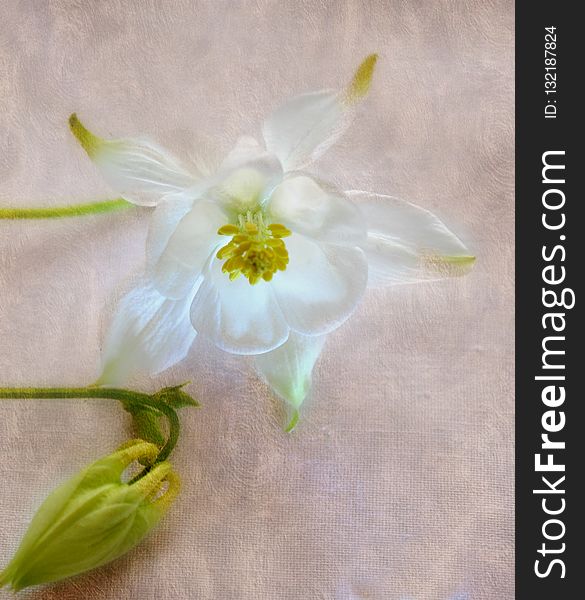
[175,397]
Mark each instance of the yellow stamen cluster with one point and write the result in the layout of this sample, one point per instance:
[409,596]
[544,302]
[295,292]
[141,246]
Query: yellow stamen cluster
[256,250]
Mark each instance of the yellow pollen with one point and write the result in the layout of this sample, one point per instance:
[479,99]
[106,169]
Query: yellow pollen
[256,250]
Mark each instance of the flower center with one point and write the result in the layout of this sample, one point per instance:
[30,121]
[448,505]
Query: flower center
[256,250]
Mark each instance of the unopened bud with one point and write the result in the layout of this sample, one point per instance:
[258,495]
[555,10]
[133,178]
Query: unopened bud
[93,518]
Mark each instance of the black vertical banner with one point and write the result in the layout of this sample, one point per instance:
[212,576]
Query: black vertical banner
[550,250]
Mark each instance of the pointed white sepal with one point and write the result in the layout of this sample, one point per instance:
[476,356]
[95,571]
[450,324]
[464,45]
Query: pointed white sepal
[407,243]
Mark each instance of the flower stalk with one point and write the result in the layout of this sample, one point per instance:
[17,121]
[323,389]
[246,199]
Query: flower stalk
[158,402]
[58,212]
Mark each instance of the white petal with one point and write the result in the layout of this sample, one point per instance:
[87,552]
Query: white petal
[321,285]
[246,150]
[139,170]
[243,186]
[148,334]
[238,317]
[304,206]
[187,250]
[407,243]
[288,369]
[305,126]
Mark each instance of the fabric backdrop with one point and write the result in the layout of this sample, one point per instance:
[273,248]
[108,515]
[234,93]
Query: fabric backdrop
[398,483]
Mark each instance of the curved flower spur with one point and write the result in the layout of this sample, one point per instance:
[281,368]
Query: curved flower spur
[260,257]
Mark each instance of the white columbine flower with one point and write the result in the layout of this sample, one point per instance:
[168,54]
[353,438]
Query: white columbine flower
[260,257]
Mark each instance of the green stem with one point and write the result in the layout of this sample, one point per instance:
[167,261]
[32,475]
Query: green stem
[124,396]
[76,210]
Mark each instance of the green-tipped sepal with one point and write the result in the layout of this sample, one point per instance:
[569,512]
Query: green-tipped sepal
[93,518]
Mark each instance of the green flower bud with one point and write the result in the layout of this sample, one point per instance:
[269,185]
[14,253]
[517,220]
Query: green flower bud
[93,518]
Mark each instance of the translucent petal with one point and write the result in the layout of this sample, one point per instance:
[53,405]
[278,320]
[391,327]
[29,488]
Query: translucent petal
[301,204]
[238,317]
[247,185]
[187,250]
[247,149]
[321,285]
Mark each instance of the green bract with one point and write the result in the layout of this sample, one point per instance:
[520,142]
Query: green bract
[93,518]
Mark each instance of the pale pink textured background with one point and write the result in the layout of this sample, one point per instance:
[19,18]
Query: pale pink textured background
[398,484]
